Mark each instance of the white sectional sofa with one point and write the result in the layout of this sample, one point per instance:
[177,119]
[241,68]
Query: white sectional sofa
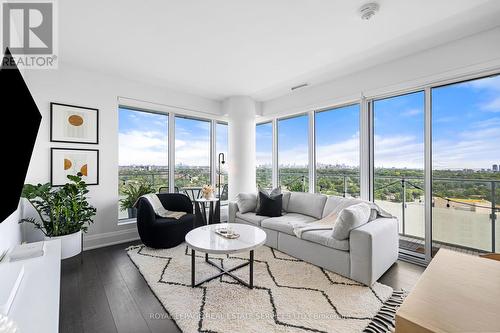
[368,252]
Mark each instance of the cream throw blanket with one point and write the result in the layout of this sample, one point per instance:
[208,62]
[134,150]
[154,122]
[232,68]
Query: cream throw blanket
[160,210]
[328,222]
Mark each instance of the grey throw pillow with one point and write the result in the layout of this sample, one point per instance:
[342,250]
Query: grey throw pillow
[351,218]
[246,202]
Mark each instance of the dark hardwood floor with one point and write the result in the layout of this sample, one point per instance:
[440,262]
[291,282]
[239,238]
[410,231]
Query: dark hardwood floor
[106,293]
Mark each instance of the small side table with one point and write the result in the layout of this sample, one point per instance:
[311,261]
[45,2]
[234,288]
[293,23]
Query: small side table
[200,207]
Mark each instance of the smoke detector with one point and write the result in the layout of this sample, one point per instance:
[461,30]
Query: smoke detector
[367,11]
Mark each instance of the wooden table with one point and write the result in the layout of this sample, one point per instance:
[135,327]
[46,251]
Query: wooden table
[456,293]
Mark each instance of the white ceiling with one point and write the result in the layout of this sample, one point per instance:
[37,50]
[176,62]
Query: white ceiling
[260,48]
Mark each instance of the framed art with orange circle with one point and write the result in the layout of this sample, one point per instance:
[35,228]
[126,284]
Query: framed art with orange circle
[71,161]
[74,124]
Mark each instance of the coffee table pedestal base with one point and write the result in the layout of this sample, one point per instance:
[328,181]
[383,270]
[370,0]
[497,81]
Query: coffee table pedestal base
[223,271]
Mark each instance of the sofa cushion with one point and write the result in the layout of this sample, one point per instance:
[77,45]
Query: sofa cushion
[324,237]
[251,217]
[350,218]
[286,222]
[247,202]
[334,204]
[286,200]
[311,204]
[269,204]
[270,192]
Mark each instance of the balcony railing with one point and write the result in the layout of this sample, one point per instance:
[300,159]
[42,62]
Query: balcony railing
[464,210]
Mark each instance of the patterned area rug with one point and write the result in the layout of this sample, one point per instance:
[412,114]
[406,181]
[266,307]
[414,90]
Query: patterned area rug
[289,295]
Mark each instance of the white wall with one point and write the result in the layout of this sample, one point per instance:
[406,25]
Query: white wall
[480,52]
[80,87]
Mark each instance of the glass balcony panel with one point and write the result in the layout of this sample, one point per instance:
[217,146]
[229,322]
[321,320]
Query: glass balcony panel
[462,220]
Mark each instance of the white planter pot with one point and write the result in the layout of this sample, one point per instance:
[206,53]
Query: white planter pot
[71,245]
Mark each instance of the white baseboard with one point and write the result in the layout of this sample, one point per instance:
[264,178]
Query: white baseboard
[109,238]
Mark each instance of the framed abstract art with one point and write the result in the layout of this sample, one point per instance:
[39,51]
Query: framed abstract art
[75,124]
[67,161]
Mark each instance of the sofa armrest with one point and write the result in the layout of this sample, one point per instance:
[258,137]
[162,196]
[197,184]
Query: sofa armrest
[233,209]
[374,248]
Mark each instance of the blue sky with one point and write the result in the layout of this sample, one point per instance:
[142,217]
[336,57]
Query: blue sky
[264,144]
[466,125]
[143,139]
[466,133]
[399,131]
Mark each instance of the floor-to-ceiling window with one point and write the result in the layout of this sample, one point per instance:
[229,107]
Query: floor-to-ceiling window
[337,151]
[192,155]
[221,141]
[264,155]
[293,153]
[398,160]
[143,156]
[465,159]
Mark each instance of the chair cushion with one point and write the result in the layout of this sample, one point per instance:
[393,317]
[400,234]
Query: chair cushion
[251,217]
[350,218]
[247,202]
[311,204]
[286,222]
[324,237]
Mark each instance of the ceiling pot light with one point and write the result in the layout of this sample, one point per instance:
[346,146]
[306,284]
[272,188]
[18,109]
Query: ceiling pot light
[368,10]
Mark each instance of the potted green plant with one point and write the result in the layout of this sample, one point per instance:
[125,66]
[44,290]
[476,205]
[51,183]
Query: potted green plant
[132,193]
[63,212]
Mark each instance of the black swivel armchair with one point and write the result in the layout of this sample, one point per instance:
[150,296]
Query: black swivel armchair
[158,232]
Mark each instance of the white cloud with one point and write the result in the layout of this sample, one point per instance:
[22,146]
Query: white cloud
[344,152]
[296,156]
[476,149]
[150,148]
[263,158]
[491,83]
[492,105]
[192,152]
[399,151]
[412,112]
[138,147]
[486,123]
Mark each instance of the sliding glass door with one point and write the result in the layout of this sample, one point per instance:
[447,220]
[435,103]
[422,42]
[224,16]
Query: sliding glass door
[398,159]
[466,155]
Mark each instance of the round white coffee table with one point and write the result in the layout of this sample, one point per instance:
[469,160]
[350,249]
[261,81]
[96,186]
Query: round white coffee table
[204,239]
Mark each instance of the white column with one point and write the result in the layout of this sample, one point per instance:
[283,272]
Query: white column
[241,160]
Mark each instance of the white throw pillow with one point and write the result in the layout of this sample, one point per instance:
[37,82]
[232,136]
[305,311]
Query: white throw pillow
[246,202]
[350,218]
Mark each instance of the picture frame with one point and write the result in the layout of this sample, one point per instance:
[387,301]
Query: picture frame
[73,124]
[70,161]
